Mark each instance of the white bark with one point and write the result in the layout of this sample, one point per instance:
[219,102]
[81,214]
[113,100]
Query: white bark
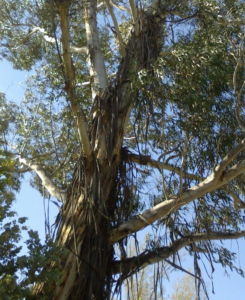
[49,39]
[70,83]
[238,203]
[121,7]
[229,157]
[135,16]
[98,75]
[46,181]
[118,34]
[152,7]
[216,180]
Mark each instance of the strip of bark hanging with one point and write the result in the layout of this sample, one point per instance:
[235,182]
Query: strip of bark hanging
[148,161]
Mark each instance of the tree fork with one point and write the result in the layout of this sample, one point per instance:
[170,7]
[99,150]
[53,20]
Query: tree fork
[84,225]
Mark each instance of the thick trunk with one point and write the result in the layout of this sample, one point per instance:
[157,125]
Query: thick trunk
[84,225]
[87,216]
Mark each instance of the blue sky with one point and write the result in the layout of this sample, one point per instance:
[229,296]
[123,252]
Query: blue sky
[30,204]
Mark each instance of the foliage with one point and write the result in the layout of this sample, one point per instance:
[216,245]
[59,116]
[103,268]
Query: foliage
[143,285]
[17,271]
[184,289]
[154,135]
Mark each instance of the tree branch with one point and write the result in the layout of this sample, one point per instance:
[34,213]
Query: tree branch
[70,83]
[148,161]
[121,7]
[133,264]
[47,38]
[118,34]
[238,92]
[152,7]
[238,203]
[46,181]
[229,157]
[161,210]
[134,16]
[98,75]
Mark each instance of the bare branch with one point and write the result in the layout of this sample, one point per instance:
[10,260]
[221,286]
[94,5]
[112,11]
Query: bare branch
[148,161]
[121,7]
[70,83]
[146,258]
[118,34]
[161,210]
[79,50]
[184,152]
[229,157]
[98,75]
[46,181]
[152,7]
[238,91]
[238,203]
[135,16]
[47,38]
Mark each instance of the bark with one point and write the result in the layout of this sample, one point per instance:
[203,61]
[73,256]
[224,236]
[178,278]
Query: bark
[46,180]
[49,39]
[70,80]
[134,264]
[161,210]
[118,34]
[85,222]
[148,161]
[98,75]
[84,225]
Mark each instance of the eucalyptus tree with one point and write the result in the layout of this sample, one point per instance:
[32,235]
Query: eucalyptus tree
[133,118]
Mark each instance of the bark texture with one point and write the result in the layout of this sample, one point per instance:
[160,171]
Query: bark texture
[90,210]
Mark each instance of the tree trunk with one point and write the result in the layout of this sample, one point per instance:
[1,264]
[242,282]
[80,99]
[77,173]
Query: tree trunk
[91,209]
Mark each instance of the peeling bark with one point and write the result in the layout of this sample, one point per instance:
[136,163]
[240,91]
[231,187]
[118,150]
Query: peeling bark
[84,225]
[148,161]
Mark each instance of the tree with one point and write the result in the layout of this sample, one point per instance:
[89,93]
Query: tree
[134,117]
[18,271]
[184,289]
[144,284]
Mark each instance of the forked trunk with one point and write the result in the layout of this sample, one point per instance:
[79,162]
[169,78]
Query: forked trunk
[91,208]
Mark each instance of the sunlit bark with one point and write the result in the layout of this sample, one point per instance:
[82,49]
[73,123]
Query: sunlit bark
[46,180]
[161,210]
[84,225]
[70,82]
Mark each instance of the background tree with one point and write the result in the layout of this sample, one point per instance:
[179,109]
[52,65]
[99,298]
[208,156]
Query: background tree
[185,289]
[134,116]
[19,271]
[148,283]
